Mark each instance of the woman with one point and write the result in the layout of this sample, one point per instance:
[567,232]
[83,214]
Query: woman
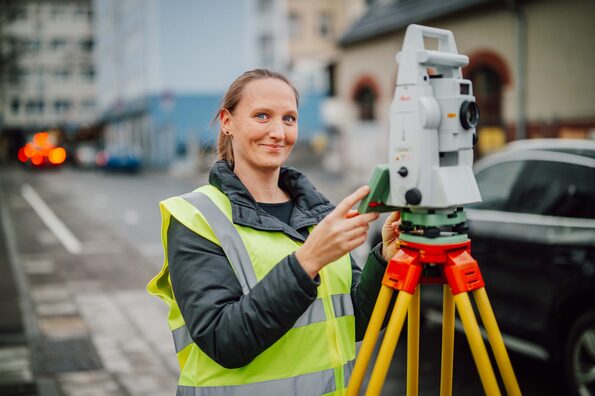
[267,298]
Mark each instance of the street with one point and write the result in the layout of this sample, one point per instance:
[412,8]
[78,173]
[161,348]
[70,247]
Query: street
[83,245]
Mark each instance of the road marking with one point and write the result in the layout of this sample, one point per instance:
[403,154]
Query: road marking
[512,343]
[50,219]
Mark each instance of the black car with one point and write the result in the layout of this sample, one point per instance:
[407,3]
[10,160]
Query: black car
[534,238]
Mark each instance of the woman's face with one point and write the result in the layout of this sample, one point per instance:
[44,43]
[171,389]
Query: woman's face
[263,125]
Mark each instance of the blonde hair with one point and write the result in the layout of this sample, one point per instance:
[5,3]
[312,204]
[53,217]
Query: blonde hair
[232,98]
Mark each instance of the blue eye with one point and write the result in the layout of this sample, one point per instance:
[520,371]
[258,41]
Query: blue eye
[261,116]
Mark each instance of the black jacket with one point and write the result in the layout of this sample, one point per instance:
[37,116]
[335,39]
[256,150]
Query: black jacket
[233,328]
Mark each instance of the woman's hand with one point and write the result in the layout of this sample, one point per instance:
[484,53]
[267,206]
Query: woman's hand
[390,234]
[340,232]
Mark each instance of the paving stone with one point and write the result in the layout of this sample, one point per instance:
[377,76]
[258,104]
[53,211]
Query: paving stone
[89,383]
[60,327]
[111,355]
[39,266]
[63,355]
[48,293]
[154,384]
[56,308]
[15,365]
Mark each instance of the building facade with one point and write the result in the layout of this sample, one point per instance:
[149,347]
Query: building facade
[530,62]
[54,83]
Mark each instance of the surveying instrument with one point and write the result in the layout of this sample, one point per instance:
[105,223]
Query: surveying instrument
[429,179]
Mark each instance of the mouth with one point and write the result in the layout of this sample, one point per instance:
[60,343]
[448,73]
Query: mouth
[274,147]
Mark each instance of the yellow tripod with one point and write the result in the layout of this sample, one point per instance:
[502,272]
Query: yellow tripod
[460,274]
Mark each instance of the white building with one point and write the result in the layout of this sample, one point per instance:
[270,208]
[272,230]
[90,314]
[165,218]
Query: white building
[56,85]
[164,65]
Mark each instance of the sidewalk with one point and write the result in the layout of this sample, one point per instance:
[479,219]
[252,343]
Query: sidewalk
[91,328]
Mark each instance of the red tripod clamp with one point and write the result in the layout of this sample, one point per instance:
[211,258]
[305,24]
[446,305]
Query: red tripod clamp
[461,271]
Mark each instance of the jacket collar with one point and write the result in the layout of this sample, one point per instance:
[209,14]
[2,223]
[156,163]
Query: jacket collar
[310,205]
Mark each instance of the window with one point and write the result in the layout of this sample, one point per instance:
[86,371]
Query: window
[88,73]
[496,183]
[88,105]
[487,89]
[62,106]
[294,25]
[32,46]
[325,25]
[86,45]
[555,189]
[266,48]
[58,44]
[62,74]
[35,106]
[365,98]
[58,11]
[15,106]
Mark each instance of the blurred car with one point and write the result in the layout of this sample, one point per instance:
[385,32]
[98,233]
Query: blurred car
[118,161]
[42,150]
[85,156]
[534,238]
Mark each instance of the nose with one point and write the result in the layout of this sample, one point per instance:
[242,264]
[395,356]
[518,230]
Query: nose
[277,130]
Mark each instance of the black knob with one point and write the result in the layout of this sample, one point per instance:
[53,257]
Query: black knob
[413,196]
[403,171]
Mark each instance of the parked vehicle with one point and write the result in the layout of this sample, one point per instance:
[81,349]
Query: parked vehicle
[534,238]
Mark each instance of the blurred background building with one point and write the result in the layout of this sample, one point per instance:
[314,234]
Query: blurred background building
[531,63]
[47,77]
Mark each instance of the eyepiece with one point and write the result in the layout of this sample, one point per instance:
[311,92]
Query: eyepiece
[469,114]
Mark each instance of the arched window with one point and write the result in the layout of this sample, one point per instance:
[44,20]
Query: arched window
[365,99]
[487,88]
[489,74]
[365,96]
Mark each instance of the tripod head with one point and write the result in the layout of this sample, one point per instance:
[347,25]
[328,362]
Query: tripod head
[432,131]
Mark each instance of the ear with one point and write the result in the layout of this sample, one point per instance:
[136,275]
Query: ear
[225,120]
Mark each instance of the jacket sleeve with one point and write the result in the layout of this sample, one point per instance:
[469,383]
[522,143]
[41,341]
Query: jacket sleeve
[230,327]
[365,287]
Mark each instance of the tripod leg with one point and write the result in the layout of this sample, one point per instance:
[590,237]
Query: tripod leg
[370,337]
[448,342]
[387,349]
[413,345]
[495,337]
[478,349]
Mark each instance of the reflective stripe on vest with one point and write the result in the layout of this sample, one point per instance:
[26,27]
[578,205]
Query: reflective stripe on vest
[308,384]
[228,236]
[347,370]
[315,313]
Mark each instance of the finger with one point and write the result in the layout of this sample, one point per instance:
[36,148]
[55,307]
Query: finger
[351,213]
[394,216]
[345,205]
[356,232]
[358,241]
[362,219]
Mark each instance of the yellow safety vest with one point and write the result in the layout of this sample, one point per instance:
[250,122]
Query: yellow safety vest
[315,357]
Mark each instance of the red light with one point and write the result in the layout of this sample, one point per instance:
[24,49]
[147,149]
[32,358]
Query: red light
[37,159]
[22,156]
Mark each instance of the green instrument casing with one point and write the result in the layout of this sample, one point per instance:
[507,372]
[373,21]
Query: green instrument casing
[376,200]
